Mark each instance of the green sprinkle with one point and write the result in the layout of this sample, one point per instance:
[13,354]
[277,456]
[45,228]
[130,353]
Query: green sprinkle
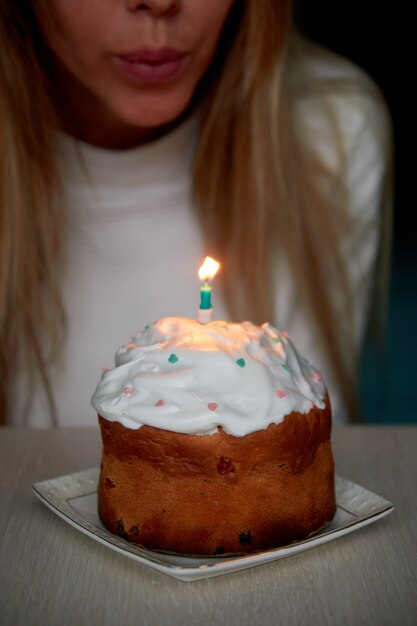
[277,339]
[173,358]
[285,367]
[148,326]
[241,362]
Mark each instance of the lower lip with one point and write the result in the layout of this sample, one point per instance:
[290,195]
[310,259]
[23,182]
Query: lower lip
[146,73]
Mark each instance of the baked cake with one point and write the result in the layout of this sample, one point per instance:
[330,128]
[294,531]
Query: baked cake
[216,440]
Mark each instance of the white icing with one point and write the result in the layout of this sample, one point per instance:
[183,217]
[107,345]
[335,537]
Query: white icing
[187,377]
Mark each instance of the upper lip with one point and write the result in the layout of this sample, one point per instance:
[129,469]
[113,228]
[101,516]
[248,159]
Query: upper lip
[152,56]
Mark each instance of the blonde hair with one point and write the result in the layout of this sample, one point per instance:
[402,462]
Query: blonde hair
[255,187]
[31,220]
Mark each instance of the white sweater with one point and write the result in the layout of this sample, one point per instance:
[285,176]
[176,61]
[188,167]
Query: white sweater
[134,244]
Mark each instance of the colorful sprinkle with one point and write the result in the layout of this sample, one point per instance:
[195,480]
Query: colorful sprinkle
[128,391]
[105,369]
[316,377]
[173,358]
[148,326]
[285,367]
[241,362]
[285,334]
[159,403]
[130,346]
[280,393]
[212,406]
[277,339]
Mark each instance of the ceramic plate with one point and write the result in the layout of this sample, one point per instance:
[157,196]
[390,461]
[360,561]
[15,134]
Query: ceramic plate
[74,498]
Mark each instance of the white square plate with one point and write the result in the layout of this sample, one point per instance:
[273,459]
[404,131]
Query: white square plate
[74,498]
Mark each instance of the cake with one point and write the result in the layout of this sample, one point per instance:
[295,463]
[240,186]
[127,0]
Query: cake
[216,440]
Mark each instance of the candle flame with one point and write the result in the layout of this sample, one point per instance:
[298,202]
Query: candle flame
[209,269]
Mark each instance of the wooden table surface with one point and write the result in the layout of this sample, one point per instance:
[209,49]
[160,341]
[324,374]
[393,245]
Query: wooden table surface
[51,574]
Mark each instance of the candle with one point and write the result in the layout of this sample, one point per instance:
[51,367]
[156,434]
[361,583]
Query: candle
[206,273]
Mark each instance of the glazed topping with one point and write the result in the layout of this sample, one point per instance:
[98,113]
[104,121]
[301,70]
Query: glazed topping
[186,377]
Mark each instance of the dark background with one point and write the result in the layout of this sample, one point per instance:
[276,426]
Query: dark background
[381,38]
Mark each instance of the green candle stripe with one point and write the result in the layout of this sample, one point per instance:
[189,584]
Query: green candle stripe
[205,298]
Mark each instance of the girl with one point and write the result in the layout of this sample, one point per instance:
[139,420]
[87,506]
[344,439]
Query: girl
[138,137]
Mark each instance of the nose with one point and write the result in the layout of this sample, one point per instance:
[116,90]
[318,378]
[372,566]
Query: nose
[154,7]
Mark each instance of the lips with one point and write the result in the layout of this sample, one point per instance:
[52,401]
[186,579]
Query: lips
[152,65]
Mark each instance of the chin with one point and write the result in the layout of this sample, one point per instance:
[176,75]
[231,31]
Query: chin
[146,112]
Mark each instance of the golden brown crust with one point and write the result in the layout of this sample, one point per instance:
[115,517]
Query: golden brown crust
[215,494]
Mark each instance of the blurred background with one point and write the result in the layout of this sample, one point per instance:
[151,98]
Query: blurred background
[380,38]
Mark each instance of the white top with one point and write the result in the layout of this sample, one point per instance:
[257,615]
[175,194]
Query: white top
[134,244]
[187,377]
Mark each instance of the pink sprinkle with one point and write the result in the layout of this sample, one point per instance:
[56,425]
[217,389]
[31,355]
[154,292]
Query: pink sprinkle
[130,345]
[285,334]
[212,406]
[280,393]
[159,403]
[316,377]
[128,391]
[105,369]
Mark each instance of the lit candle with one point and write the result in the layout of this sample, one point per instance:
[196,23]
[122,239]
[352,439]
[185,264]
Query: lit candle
[206,273]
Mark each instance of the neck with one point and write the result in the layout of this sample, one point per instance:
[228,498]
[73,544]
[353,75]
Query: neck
[107,133]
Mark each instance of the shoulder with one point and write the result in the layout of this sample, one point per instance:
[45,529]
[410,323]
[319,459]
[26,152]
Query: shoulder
[334,98]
